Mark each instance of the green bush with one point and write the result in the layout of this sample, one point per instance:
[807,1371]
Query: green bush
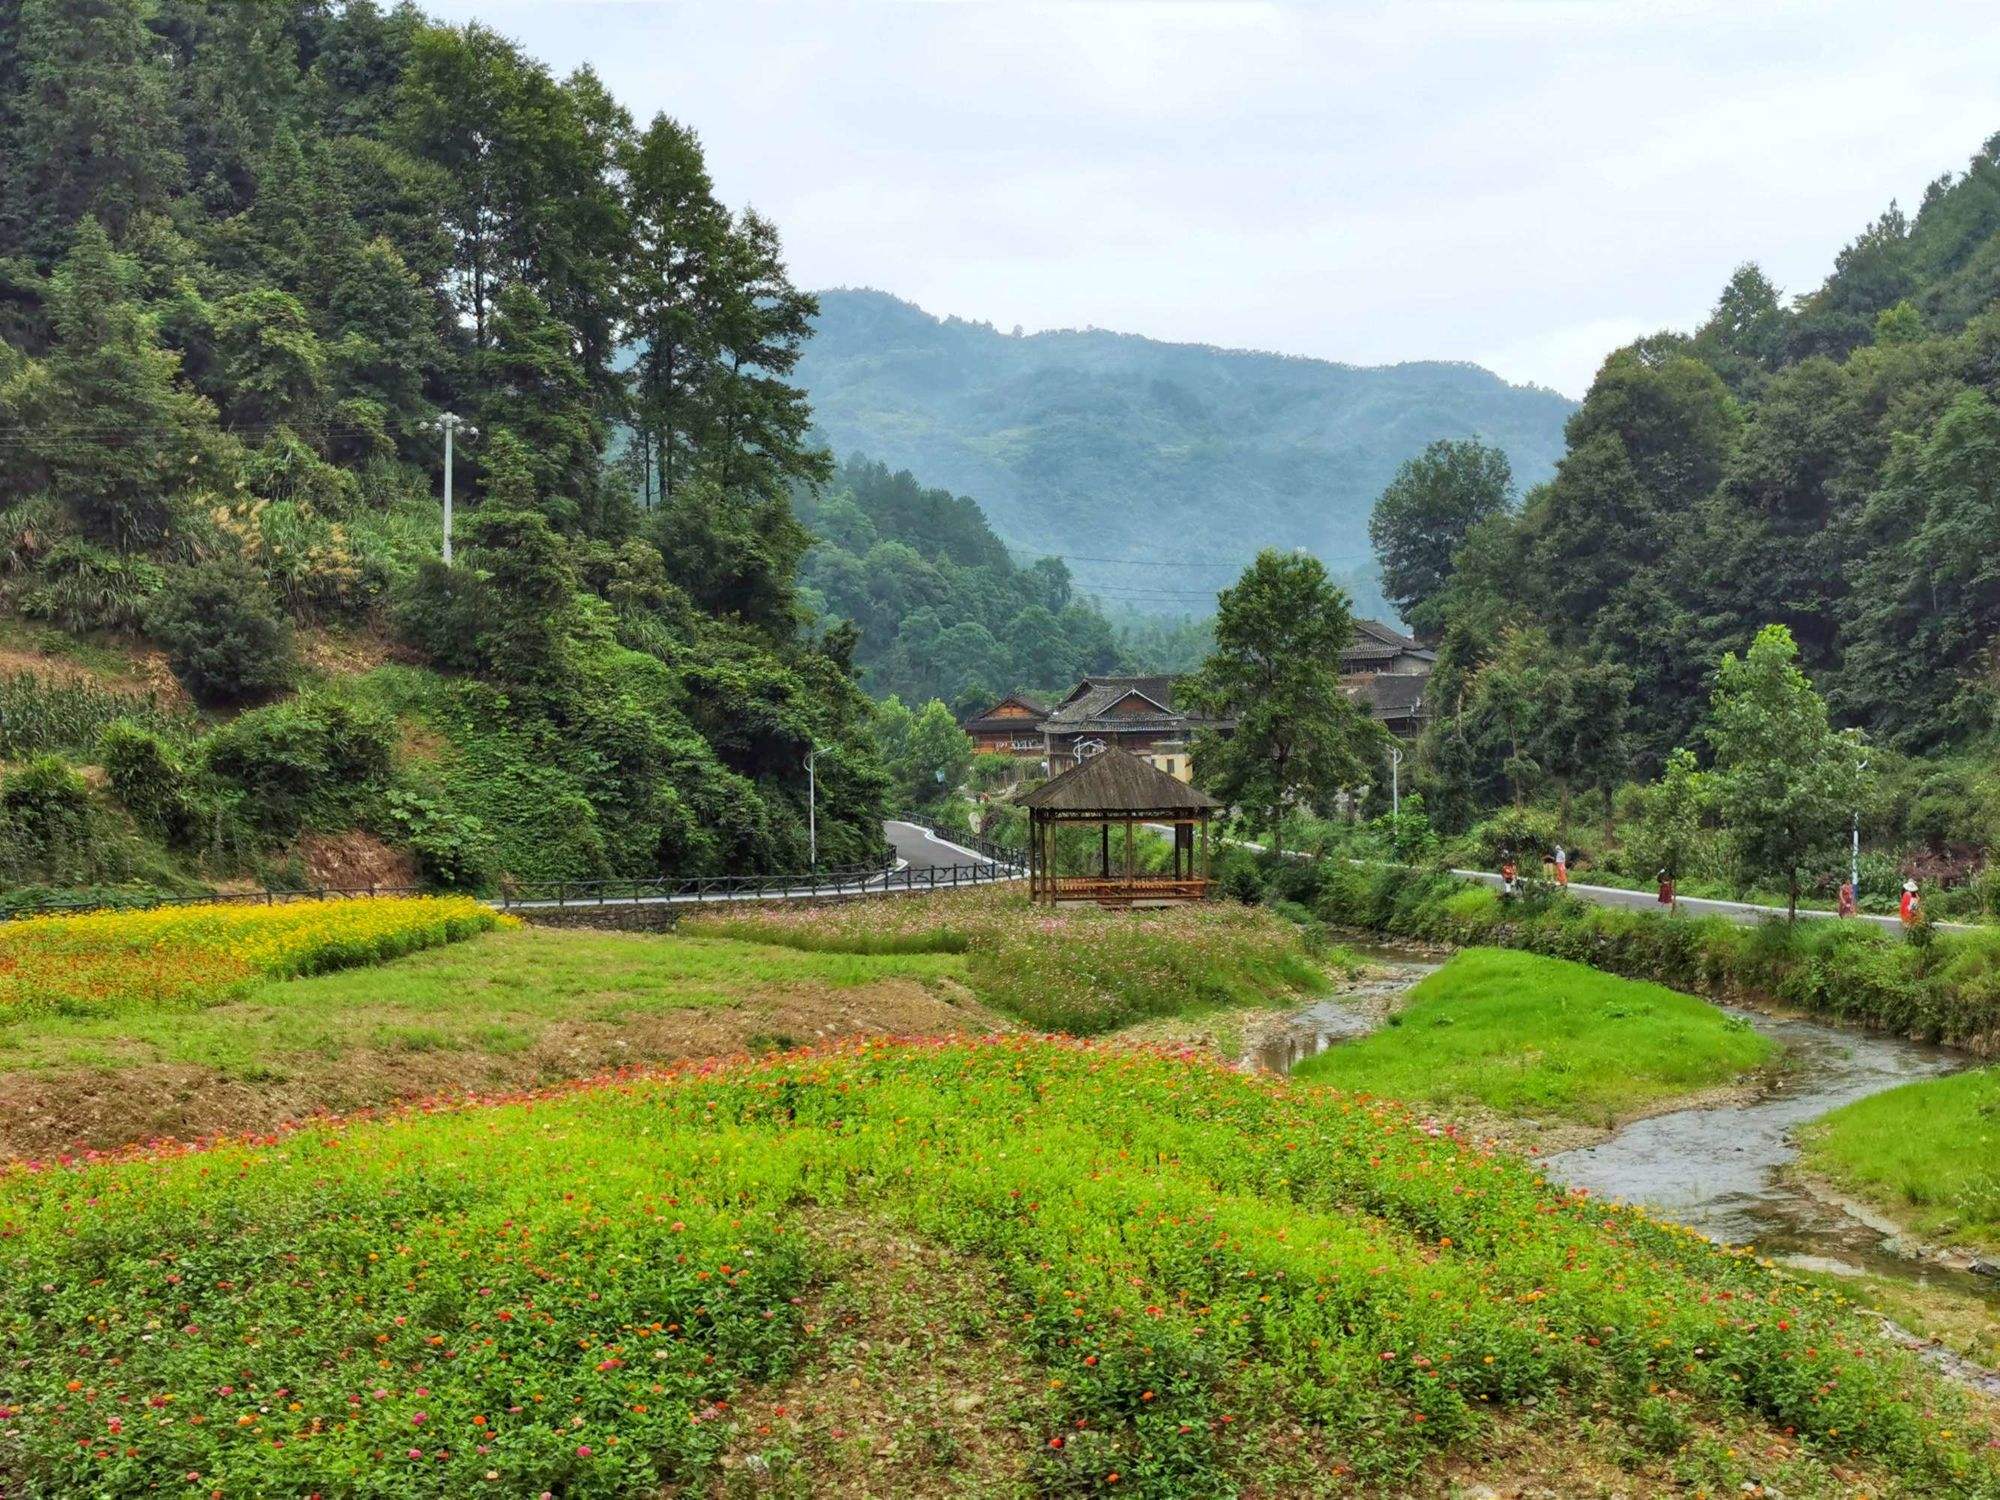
[147,776]
[51,833]
[452,849]
[80,586]
[312,763]
[223,634]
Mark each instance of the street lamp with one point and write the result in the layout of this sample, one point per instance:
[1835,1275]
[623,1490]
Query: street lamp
[450,425]
[812,807]
[1854,850]
[1396,787]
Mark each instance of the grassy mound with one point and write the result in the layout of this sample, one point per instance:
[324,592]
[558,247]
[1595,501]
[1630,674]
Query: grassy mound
[180,957]
[1214,1277]
[1079,970]
[1526,1035]
[1928,1152]
[1946,989]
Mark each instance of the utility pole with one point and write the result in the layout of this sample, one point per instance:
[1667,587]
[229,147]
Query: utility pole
[812,808]
[1396,787]
[450,424]
[1854,850]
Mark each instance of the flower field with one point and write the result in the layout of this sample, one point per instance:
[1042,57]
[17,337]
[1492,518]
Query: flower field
[1078,970]
[1215,1274]
[182,956]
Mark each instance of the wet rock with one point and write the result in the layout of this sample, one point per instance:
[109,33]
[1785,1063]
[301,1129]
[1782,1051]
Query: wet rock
[1985,1268]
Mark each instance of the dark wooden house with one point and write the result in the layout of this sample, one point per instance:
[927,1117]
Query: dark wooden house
[1013,726]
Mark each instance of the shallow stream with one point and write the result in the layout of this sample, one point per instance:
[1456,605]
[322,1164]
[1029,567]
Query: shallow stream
[1721,1169]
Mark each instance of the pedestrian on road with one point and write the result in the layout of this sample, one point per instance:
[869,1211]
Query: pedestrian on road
[1562,867]
[1507,872]
[1912,910]
[1667,898]
[1847,898]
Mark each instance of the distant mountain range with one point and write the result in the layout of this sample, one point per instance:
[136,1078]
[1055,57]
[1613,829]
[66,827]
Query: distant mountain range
[1156,470]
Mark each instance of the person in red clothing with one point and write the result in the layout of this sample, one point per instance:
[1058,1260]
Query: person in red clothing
[1912,910]
[1562,867]
[1508,872]
[1847,898]
[1667,891]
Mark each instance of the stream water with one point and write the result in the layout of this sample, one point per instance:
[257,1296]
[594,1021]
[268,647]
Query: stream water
[1719,1169]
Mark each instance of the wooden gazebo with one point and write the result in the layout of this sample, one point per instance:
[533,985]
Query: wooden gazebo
[1116,787]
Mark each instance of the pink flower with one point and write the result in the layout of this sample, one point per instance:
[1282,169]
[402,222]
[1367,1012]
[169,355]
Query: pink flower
[583,1450]
[416,1453]
[420,1418]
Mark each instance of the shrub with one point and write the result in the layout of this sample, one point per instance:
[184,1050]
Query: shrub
[223,634]
[453,849]
[1526,830]
[80,586]
[147,776]
[46,803]
[312,763]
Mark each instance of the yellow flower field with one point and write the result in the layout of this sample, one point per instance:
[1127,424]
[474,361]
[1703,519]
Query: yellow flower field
[108,961]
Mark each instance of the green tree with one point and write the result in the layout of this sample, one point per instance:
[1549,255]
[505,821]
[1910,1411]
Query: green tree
[1275,674]
[1670,821]
[1924,616]
[1423,517]
[937,758]
[678,236]
[1786,780]
[91,134]
[112,433]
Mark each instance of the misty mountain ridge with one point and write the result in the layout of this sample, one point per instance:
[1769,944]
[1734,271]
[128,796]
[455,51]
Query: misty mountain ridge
[1156,469]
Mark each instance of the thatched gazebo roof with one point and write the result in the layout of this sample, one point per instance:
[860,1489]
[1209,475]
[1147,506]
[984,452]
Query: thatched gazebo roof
[1116,784]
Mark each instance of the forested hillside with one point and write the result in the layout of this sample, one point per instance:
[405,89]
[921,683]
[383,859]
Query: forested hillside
[1118,452]
[942,610]
[248,255]
[1827,462]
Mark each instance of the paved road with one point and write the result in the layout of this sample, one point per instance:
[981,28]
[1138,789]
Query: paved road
[922,849]
[1746,912]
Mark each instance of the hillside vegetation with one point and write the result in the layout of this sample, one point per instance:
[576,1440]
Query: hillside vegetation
[1104,447]
[248,255]
[1823,463]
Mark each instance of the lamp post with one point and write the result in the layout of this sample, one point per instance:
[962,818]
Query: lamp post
[450,424]
[1396,787]
[812,807]
[1854,851]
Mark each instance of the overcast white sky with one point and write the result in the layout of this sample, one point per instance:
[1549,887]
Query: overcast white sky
[1522,184]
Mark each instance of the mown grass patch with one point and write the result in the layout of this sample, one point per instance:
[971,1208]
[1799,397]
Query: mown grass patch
[1526,1035]
[1079,970]
[562,1294]
[181,957]
[1928,1152]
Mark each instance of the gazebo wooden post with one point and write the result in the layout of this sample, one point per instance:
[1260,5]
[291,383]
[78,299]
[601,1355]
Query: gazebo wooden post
[1104,870]
[1131,864]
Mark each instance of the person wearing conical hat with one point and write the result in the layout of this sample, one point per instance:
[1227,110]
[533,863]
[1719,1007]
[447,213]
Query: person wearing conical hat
[1912,909]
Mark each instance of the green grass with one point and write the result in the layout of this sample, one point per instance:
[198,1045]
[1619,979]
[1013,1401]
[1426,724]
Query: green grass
[1526,1035]
[1928,1152]
[1073,969]
[494,993]
[1212,1283]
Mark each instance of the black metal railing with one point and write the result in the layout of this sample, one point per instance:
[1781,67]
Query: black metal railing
[546,894]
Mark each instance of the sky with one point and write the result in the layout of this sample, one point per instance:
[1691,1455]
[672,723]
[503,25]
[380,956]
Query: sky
[1524,184]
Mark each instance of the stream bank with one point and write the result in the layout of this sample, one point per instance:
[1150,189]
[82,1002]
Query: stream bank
[1724,1164]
